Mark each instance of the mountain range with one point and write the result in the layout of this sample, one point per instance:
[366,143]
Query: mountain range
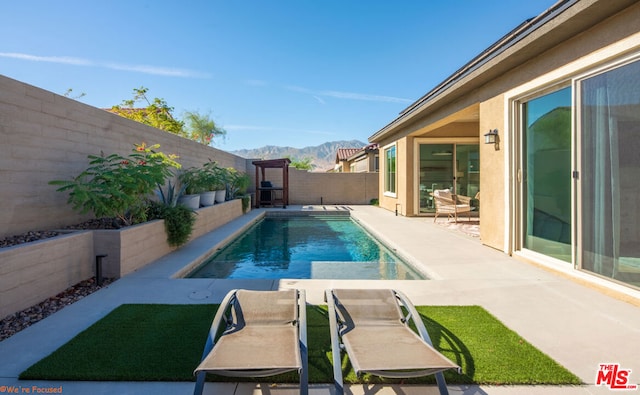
[323,157]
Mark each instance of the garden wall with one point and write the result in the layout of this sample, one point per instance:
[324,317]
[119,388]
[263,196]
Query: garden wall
[326,188]
[48,137]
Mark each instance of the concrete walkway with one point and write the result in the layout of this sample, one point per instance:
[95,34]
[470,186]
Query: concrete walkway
[579,326]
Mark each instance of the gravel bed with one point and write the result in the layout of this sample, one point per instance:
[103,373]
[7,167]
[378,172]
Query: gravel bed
[14,323]
[28,237]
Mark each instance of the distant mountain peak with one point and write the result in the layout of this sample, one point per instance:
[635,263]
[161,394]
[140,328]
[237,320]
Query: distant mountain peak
[322,156]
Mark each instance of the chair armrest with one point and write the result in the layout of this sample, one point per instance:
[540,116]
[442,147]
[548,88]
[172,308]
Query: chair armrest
[461,199]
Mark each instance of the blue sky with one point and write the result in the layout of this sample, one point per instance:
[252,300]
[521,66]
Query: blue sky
[288,73]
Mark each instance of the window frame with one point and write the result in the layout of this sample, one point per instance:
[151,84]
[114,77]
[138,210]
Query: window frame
[387,174]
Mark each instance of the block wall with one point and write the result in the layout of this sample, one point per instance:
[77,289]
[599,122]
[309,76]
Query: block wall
[332,188]
[47,137]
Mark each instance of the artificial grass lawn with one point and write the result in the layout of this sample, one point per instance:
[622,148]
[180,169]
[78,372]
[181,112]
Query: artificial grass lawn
[165,343]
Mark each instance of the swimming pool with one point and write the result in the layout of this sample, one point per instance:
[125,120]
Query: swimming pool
[306,247]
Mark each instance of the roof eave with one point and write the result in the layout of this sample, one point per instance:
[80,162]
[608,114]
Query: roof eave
[483,59]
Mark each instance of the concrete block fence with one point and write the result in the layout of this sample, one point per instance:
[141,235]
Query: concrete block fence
[44,137]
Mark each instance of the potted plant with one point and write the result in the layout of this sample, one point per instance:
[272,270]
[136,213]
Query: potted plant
[215,178]
[221,185]
[192,179]
[238,182]
[208,195]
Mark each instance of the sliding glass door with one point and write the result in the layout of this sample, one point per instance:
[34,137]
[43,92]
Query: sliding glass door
[610,173]
[577,175]
[453,166]
[546,174]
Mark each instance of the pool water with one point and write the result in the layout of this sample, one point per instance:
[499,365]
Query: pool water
[318,247]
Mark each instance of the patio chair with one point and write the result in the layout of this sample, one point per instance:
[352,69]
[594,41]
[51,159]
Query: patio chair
[451,205]
[376,335]
[264,334]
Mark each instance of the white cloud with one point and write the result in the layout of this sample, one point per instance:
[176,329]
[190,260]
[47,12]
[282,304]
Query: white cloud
[49,59]
[347,95]
[144,69]
[365,97]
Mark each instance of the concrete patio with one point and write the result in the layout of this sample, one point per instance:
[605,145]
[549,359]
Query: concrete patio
[577,325]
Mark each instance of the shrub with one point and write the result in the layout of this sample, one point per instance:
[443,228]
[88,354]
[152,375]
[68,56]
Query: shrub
[178,221]
[116,186]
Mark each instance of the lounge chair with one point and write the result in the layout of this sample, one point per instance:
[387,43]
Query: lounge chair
[376,336]
[451,205]
[264,334]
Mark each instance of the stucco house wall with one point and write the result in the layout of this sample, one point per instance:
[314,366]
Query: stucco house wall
[493,184]
[475,103]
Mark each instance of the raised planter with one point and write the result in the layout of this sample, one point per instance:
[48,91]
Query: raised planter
[134,247]
[33,272]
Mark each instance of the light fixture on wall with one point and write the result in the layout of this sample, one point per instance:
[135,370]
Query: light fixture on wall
[492,138]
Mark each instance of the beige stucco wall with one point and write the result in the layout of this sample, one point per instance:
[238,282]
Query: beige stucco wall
[492,181]
[48,137]
[404,176]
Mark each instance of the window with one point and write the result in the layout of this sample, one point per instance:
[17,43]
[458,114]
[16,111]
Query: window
[390,170]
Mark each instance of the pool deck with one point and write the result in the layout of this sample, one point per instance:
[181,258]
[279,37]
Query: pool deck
[578,325]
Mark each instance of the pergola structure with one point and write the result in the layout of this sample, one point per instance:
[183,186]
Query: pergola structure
[267,194]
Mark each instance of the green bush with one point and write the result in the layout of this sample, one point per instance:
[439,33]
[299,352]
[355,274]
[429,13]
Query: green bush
[178,221]
[116,186]
[246,201]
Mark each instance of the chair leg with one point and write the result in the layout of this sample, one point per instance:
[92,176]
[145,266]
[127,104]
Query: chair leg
[442,384]
[335,344]
[199,383]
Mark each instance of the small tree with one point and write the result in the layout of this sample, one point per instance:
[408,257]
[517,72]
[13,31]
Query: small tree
[303,164]
[157,113]
[201,128]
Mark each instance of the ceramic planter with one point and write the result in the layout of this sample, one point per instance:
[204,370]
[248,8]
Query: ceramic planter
[208,198]
[191,201]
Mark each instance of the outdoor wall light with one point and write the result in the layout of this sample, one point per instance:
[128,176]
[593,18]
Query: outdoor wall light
[492,138]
